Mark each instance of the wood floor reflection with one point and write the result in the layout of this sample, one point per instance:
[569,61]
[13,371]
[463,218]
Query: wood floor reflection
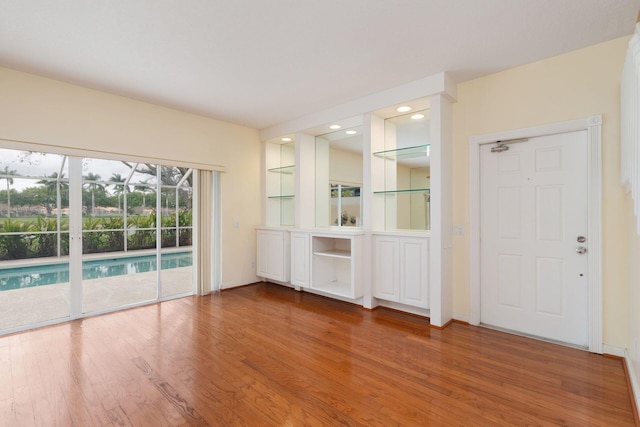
[268,355]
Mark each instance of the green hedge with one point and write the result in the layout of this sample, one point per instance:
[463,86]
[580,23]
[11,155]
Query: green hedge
[100,235]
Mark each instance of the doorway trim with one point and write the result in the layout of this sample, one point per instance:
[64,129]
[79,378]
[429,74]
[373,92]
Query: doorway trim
[593,126]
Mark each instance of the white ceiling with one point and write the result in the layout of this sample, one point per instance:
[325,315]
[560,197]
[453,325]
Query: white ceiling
[262,62]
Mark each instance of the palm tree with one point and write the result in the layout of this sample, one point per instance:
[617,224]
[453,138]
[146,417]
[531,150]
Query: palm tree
[51,187]
[7,175]
[93,185]
[118,188]
[144,189]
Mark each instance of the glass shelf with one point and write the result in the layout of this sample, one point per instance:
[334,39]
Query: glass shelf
[404,153]
[281,197]
[413,190]
[287,170]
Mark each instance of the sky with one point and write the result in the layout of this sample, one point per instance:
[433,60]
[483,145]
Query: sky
[39,165]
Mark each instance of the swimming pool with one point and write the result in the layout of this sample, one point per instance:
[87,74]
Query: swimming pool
[40,275]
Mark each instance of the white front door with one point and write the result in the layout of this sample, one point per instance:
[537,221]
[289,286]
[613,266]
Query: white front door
[534,215]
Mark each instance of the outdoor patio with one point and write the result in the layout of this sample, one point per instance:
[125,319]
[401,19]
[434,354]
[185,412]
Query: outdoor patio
[32,305]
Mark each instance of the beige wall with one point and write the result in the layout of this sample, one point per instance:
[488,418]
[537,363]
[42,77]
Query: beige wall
[571,86]
[40,110]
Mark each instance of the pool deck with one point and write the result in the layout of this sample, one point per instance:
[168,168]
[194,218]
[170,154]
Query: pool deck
[26,306]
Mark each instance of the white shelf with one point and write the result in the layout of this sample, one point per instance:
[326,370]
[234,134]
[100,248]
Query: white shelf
[335,253]
[336,288]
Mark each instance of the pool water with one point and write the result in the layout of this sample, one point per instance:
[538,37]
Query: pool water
[40,275]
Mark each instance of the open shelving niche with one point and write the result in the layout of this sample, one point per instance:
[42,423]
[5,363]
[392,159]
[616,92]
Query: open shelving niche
[280,182]
[333,268]
[404,162]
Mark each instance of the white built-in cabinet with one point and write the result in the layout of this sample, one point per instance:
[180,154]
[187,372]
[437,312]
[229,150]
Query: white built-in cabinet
[398,251]
[401,269]
[273,254]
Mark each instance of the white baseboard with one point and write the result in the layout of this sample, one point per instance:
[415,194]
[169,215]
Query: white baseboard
[633,379]
[406,308]
[613,350]
[461,317]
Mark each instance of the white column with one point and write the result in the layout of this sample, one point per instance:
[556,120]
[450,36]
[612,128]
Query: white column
[370,133]
[323,192]
[305,181]
[440,237]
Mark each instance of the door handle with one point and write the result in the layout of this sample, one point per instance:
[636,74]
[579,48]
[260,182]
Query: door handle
[581,250]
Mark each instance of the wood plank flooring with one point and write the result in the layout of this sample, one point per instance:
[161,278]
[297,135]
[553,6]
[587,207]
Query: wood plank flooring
[265,355]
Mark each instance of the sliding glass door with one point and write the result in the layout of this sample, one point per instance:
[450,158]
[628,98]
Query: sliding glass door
[34,238]
[118,241]
[87,235]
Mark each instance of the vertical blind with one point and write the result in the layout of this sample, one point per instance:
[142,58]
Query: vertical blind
[629,122]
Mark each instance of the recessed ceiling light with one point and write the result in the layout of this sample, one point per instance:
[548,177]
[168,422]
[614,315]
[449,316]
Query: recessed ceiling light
[403,109]
[417,116]
[335,127]
[351,132]
[287,139]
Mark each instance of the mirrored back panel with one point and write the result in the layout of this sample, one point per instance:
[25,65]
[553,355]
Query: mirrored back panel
[339,178]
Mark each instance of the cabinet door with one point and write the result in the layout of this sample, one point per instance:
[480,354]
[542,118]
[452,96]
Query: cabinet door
[263,254]
[386,275]
[270,256]
[414,289]
[300,252]
[275,255]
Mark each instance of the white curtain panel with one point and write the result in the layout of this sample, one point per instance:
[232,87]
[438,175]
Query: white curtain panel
[205,232]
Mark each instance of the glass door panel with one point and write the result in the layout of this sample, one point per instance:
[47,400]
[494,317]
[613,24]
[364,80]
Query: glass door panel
[118,240]
[176,212]
[34,238]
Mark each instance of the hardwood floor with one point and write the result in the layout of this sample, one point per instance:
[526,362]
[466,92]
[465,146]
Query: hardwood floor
[267,355]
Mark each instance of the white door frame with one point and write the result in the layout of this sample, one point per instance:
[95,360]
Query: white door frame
[593,126]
